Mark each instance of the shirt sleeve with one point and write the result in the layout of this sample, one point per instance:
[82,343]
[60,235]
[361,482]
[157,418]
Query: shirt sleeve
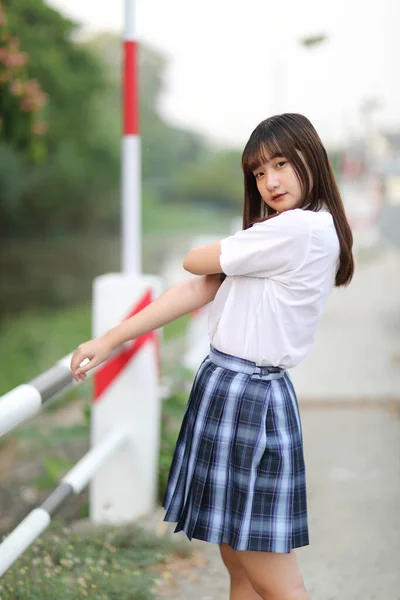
[267,249]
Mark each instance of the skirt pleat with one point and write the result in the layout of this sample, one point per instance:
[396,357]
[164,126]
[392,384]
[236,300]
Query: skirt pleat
[238,475]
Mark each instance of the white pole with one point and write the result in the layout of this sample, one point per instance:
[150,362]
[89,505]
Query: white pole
[87,467]
[131,189]
[22,537]
[17,406]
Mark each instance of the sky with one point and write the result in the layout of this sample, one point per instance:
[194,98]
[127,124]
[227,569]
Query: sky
[232,64]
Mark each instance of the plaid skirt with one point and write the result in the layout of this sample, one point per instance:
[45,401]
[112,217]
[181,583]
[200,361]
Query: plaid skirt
[238,475]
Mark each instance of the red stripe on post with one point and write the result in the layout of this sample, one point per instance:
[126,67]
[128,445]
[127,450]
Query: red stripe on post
[106,375]
[130,89]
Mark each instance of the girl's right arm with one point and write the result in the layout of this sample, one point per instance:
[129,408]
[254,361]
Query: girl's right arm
[180,299]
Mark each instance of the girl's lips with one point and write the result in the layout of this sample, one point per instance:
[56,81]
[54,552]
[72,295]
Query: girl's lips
[278,197]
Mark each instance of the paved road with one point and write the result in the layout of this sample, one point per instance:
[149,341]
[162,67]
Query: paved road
[349,390]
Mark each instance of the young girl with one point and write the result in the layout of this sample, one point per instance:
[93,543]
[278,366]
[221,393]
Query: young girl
[237,477]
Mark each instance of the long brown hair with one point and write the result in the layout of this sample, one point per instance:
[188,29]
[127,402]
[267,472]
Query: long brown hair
[286,135]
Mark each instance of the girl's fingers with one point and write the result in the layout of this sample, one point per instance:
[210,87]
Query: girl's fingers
[86,365]
[73,363]
[76,360]
[75,369]
[79,375]
[85,357]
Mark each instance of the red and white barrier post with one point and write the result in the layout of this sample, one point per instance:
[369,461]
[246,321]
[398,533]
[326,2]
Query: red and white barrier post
[126,395]
[126,388]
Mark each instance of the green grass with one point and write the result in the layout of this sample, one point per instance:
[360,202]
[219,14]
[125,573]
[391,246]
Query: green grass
[107,563]
[175,328]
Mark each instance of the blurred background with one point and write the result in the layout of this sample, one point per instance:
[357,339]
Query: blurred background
[209,73]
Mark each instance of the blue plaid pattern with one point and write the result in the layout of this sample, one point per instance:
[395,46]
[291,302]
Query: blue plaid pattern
[238,473]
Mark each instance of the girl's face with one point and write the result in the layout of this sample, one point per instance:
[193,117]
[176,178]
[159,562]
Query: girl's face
[278,183]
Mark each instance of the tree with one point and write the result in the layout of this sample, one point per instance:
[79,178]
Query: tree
[67,72]
[74,186]
[21,98]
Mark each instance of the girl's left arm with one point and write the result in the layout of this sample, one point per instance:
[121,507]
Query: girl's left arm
[204,260]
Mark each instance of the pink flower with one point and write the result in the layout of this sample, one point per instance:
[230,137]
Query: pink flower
[17,87]
[16,60]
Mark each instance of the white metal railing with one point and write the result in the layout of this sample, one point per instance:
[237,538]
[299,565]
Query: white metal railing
[23,402]
[71,485]
[27,399]
[17,406]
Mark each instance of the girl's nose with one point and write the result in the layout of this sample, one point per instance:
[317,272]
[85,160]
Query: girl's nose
[272,182]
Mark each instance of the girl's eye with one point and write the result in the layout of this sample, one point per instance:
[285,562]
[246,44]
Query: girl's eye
[258,175]
[281,163]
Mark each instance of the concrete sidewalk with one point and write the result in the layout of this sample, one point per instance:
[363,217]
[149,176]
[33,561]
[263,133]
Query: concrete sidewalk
[356,354]
[349,392]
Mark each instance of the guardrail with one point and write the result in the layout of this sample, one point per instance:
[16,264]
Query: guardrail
[71,485]
[22,403]
[123,426]
[122,464]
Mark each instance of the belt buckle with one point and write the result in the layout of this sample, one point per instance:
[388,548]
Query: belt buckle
[269,370]
[264,371]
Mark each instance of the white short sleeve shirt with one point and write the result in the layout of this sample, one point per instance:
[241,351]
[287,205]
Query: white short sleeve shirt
[279,276]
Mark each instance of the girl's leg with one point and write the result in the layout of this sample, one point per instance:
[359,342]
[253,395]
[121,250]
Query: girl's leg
[274,576]
[241,588]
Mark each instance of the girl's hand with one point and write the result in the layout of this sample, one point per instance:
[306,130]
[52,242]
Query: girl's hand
[95,351]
